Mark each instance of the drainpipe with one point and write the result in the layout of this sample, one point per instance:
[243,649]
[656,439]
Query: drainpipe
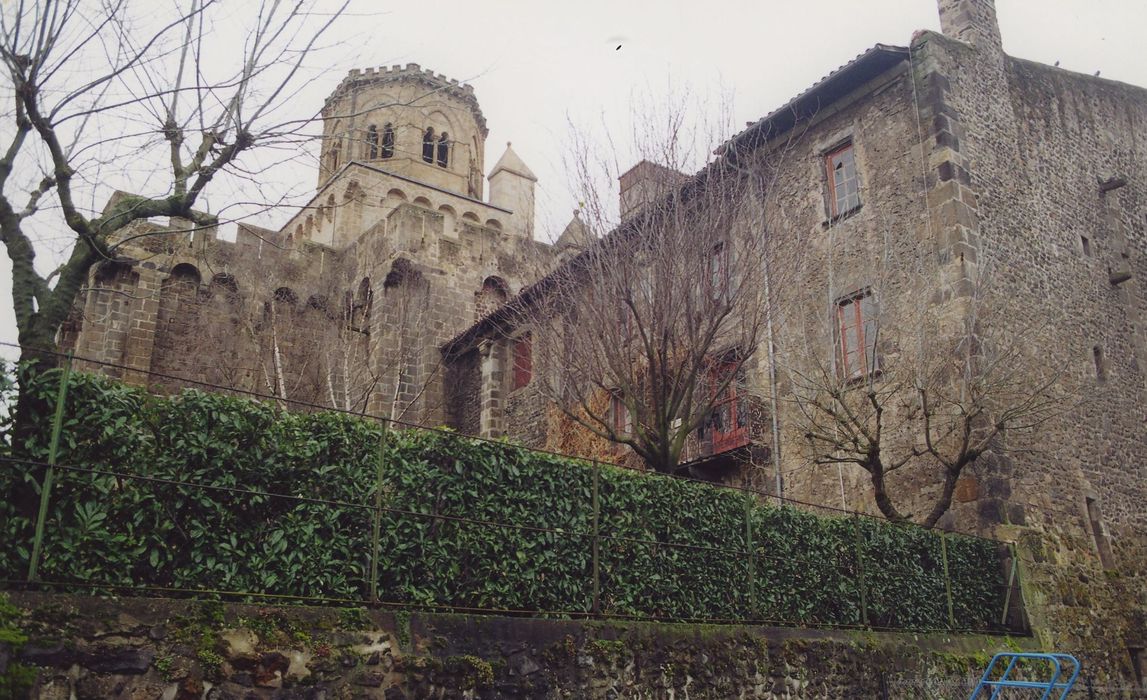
[772,358]
[773,391]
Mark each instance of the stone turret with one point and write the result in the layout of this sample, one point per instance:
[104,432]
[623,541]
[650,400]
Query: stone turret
[410,122]
[512,187]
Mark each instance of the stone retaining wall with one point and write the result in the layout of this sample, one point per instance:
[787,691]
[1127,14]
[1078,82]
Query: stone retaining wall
[88,648]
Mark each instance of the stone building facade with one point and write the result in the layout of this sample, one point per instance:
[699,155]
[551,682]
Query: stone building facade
[345,306]
[947,188]
[946,177]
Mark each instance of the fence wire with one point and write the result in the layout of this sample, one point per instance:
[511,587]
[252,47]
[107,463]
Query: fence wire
[847,562]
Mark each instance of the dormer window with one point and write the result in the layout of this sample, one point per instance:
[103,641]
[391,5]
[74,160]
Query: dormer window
[443,150]
[428,146]
[388,141]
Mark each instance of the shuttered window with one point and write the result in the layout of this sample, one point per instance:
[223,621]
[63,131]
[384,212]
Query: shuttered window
[523,361]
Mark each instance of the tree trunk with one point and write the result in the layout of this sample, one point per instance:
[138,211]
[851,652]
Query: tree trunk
[880,492]
[945,501]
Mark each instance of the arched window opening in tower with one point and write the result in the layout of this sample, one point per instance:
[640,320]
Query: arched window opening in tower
[372,142]
[444,150]
[388,141]
[428,146]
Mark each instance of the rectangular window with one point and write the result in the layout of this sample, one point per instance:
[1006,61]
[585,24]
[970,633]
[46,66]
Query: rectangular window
[857,331]
[843,184]
[728,425]
[619,418]
[718,277]
[523,361]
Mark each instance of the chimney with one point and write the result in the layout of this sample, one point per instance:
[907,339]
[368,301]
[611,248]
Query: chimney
[971,21]
[643,184]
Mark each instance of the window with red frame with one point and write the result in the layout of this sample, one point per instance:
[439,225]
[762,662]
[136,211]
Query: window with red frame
[718,278]
[619,418]
[843,183]
[523,361]
[728,425]
[857,330]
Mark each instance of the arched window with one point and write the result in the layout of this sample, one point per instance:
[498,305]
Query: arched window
[336,151]
[443,150]
[493,294]
[388,141]
[372,142]
[428,146]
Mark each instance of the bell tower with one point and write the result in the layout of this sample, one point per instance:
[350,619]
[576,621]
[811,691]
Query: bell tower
[407,121]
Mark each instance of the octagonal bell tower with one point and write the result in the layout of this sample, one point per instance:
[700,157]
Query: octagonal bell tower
[410,122]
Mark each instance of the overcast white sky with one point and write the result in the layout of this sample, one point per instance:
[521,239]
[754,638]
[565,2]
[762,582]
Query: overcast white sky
[536,65]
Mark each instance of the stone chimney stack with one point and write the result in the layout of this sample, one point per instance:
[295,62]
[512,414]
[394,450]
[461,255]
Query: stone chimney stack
[973,22]
[644,183]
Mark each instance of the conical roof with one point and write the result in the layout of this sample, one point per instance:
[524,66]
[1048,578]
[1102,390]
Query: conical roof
[510,162]
[575,234]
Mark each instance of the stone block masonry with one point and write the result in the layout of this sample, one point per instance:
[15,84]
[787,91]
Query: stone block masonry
[95,649]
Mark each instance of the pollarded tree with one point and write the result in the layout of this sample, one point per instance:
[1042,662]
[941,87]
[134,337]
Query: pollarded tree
[97,89]
[917,394]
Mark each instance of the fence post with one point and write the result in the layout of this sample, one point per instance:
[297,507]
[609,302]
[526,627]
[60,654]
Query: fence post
[596,538]
[376,524]
[947,581]
[1011,584]
[752,556]
[860,571]
[50,473]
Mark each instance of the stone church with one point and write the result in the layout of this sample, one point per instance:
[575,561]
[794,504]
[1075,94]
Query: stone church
[946,161]
[346,305]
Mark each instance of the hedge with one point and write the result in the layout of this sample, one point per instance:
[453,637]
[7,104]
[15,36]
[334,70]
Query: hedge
[293,513]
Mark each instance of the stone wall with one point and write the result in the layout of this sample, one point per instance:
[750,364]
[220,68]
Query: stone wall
[276,314]
[89,648]
[1059,176]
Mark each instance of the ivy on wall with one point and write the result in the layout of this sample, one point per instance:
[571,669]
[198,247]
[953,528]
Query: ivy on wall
[206,492]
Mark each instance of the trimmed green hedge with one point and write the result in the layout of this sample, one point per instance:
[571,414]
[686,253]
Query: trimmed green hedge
[668,548]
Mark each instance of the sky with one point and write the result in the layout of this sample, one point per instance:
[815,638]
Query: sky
[539,66]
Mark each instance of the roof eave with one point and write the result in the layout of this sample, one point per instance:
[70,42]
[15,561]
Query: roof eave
[827,90]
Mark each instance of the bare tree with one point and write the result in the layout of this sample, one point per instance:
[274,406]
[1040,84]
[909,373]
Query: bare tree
[915,393]
[645,335]
[99,88]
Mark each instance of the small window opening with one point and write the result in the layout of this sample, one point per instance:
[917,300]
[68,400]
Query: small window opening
[443,150]
[428,146]
[388,141]
[1100,363]
[718,273]
[1086,243]
[372,142]
[1139,666]
[1099,533]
